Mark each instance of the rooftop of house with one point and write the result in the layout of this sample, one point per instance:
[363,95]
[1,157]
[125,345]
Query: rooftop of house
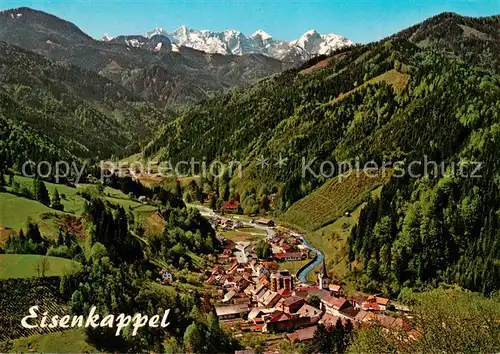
[285,255]
[359,299]
[285,292]
[281,273]
[292,300]
[231,310]
[336,302]
[260,290]
[361,315]
[329,320]
[233,205]
[309,311]
[229,295]
[335,287]
[370,306]
[264,221]
[311,291]
[349,312]
[302,334]
[382,301]
[281,316]
[269,297]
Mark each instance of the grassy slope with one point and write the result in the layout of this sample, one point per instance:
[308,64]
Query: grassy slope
[15,210]
[73,203]
[72,341]
[23,266]
[392,77]
[332,200]
[331,240]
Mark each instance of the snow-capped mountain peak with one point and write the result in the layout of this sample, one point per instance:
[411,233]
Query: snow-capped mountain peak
[234,42]
[311,33]
[156,31]
[260,33]
[106,37]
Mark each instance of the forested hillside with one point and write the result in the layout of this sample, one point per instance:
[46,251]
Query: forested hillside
[473,39]
[77,109]
[391,101]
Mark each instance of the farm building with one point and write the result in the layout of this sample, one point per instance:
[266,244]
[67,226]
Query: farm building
[228,312]
[290,256]
[266,222]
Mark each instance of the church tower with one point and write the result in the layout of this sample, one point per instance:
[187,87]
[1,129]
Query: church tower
[323,278]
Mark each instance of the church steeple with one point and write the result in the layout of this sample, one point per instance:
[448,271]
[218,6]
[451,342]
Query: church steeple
[324,273]
[323,278]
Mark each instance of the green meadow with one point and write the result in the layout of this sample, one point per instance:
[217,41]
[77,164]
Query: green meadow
[24,266]
[15,210]
[71,341]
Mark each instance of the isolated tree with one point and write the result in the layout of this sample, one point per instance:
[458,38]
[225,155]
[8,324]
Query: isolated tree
[178,189]
[213,202]
[56,201]
[220,204]
[199,194]
[265,203]
[40,192]
[314,301]
[42,265]
[227,192]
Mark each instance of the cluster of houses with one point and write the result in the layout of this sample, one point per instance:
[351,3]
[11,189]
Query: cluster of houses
[230,224]
[260,297]
[287,247]
[226,224]
[269,300]
[284,248]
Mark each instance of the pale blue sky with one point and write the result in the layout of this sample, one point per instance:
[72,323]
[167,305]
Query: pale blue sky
[360,20]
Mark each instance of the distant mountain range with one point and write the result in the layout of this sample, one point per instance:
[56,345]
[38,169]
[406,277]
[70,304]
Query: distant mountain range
[149,67]
[235,42]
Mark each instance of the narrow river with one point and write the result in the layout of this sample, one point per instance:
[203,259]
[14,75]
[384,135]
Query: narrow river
[302,275]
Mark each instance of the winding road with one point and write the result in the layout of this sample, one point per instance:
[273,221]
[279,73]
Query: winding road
[302,275]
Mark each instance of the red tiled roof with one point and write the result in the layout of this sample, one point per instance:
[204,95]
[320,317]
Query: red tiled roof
[288,255]
[382,301]
[258,327]
[285,292]
[281,316]
[229,205]
[370,306]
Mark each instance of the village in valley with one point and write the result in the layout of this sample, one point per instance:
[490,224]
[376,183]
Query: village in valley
[276,291]
[258,295]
